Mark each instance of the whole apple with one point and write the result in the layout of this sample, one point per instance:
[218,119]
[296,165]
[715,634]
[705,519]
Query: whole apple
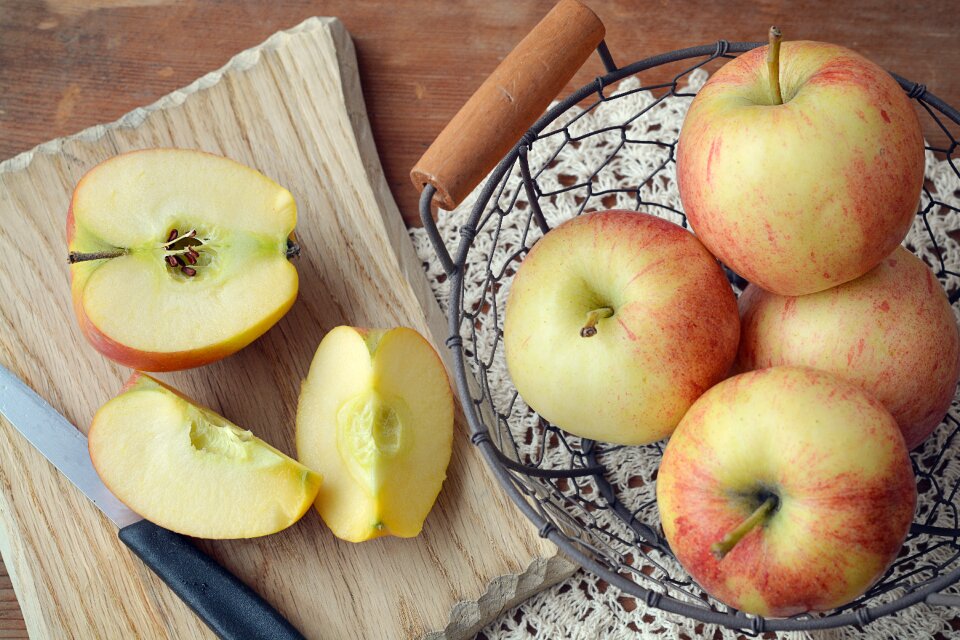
[615,323]
[811,193]
[786,490]
[891,332]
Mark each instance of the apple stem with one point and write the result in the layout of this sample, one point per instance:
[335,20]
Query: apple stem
[76,256]
[590,327]
[722,548]
[773,64]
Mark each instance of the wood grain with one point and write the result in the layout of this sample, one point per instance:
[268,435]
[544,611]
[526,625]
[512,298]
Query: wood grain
[293,109]
[69,64]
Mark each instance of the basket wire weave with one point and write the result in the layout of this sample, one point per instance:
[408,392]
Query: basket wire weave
[566,485]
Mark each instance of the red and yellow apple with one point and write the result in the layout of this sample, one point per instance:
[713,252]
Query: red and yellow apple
[192,471]
[786,490]
[891,332]
[811,193]
[375,417]
[615,323]
[179,257]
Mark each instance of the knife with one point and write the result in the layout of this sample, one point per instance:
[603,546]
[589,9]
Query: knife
[229,607]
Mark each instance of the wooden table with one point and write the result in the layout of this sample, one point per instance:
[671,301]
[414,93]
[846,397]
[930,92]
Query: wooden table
[68,64]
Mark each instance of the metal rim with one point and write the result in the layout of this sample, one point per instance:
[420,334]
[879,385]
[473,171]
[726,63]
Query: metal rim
[500,463]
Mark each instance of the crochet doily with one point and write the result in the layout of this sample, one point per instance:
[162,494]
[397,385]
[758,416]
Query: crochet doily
[622,164]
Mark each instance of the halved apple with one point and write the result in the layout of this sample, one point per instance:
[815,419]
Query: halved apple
[376,419]
[192,471]
[179,257]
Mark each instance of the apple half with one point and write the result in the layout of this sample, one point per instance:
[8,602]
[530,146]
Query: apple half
[178,257]
[192,471]
[376,419]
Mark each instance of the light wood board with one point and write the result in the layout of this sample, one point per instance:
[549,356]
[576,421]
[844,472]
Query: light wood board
[293,109]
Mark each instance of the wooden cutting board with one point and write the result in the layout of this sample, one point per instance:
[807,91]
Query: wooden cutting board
[293,109]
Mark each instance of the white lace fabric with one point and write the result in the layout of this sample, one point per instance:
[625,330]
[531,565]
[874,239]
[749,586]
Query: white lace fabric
[625,154]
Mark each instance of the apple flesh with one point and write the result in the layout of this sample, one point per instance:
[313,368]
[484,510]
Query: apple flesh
[615,323]
[801,196]
[192,471]
[891,332]
[179,257]
[375,417]
[815,465]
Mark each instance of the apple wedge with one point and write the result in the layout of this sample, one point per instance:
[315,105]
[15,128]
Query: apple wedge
[192,471]
[178,257]
[376,419]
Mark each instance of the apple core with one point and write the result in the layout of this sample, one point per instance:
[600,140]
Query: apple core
[219,439]
[369,431]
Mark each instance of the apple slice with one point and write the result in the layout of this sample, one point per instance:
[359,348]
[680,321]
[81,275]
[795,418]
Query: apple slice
[179,257]
[376,419]
[192,471]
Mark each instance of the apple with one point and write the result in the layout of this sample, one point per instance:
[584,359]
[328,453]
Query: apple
[615,323]
[786,490]
[187,469]
[806,192]
[375,417]
[891,332]
[179,257]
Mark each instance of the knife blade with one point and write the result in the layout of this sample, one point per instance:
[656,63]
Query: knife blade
[228,606]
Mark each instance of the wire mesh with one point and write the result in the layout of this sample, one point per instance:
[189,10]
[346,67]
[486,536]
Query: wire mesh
[574,490]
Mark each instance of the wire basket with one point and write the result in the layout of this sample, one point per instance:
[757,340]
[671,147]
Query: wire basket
[569,487]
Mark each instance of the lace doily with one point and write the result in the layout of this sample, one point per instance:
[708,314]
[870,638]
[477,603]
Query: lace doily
[577,172]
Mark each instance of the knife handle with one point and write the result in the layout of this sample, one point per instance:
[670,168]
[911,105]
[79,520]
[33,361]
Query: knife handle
[230,608]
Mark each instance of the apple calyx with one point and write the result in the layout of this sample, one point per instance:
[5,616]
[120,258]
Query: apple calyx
[593,317]
[722,548]
[773,64]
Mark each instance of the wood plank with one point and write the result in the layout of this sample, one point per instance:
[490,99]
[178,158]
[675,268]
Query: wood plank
[68,64]
[293,109]
[12,625]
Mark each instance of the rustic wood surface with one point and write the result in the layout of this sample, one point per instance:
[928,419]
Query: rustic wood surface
[293,109]
[68,64]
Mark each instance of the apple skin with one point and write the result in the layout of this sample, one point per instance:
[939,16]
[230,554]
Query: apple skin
[891,332]
[806,195]
[168,360]
[832,454]
[673,334]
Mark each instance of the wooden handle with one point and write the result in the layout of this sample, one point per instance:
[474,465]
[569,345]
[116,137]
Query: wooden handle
[508,102]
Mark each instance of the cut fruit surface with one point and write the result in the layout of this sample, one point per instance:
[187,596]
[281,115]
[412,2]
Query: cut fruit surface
[192,471]
[199,264]
[376,419]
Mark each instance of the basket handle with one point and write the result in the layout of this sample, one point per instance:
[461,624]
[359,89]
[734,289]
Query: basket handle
[508,102]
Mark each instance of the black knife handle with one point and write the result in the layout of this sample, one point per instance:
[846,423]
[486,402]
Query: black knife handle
[232,609]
